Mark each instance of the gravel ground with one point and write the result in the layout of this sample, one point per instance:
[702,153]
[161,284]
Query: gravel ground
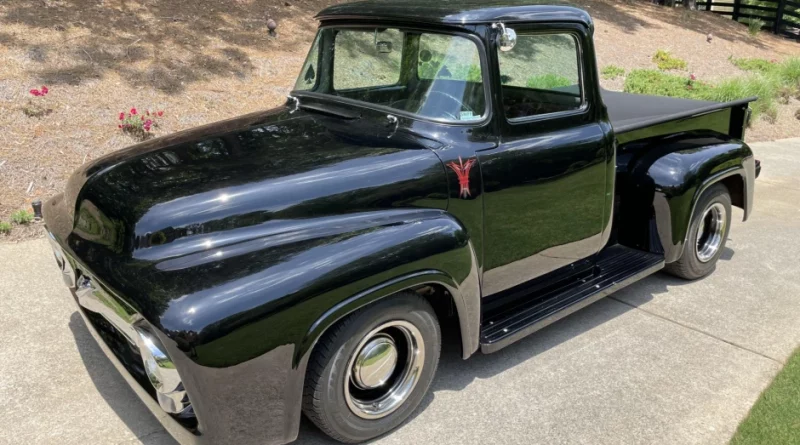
[204,60]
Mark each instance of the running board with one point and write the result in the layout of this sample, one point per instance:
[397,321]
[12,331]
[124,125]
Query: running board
[617,266]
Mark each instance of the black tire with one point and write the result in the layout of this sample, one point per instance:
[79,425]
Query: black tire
[324,400]
[690,266]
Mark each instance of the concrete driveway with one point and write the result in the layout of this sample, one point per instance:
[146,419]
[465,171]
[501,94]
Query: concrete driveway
[663,361]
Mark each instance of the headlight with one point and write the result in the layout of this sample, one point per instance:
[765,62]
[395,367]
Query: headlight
[162,373]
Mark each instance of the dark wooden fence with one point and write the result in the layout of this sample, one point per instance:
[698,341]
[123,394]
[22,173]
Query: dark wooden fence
[779,16]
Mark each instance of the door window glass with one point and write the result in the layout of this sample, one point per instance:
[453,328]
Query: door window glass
[541,75]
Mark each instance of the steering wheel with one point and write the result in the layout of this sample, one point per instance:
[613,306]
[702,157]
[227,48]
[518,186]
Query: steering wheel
[432,108]
[461,105]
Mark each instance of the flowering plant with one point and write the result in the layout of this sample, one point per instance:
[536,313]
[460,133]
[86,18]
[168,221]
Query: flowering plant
[37,108]
[42,92]
[690,82]
[139,125]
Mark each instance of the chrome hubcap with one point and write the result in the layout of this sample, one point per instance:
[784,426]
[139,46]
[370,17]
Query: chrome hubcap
[384,369]
[710,232]
[375,363]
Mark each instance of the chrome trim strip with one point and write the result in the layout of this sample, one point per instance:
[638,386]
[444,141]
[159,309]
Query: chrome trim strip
[115,312]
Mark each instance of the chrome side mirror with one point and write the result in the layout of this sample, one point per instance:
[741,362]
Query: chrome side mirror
[507,37]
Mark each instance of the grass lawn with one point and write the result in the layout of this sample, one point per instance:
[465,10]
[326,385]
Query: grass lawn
[775,418]
[773,82]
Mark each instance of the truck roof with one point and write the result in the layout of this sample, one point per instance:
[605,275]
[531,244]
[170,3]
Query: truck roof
[460,12]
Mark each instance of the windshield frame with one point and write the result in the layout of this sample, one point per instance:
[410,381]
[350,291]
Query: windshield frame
[474,38]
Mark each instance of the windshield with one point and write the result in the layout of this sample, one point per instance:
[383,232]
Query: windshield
[433,75]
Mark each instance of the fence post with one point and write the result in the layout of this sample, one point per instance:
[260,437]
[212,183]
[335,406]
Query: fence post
[779,16]
[736,4]
[708,5]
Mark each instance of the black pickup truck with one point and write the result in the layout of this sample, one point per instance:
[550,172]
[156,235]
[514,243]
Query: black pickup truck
[438,166]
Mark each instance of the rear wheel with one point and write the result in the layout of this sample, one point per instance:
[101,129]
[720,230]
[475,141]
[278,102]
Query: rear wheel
[708,232]
[371,370]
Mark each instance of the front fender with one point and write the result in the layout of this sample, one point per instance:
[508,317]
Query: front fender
[284,308]
[677,173]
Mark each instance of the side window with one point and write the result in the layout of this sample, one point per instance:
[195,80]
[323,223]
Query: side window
[541,75]
[443,57]
[307,79]
[367,58]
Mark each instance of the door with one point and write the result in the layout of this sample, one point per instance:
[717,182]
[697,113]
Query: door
[546,185]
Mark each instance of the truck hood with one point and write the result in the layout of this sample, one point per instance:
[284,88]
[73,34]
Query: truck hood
[143,218]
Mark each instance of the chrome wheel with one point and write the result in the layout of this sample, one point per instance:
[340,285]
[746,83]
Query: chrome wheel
[384,370]
[710,232]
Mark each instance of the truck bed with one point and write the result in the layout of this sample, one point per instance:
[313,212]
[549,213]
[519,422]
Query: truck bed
[630,112]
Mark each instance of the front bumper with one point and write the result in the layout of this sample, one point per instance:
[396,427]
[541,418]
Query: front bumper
[112,324]
[176,429]
[256,401]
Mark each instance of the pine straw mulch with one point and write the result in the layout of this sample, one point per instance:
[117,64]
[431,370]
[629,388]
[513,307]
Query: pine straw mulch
[205,60]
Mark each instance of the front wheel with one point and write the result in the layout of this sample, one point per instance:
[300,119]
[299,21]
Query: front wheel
[708,232]
[371,370]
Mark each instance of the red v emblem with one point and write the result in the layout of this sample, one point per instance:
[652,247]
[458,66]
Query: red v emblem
[462,171]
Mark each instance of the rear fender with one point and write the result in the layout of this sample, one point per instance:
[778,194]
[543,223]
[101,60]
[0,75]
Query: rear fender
[673,175]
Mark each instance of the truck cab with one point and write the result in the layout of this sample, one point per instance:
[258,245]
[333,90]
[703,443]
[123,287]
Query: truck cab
[437,166]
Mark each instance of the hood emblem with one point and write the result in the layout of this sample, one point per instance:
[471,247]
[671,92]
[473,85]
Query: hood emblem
[462,171]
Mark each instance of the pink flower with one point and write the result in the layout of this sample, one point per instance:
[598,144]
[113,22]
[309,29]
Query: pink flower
[133,111]
[44,90]
[36,92]
[148,122]
[121,116]
[160,113]
[692,77]
[119,126]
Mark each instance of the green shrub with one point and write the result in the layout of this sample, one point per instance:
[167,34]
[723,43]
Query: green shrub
[789,71]
[666,61]
[5,228]
[786,73]
[547,82]
[762,65]
[658,83]
[754,26]
[612,72]
[765,87]
[22,217]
